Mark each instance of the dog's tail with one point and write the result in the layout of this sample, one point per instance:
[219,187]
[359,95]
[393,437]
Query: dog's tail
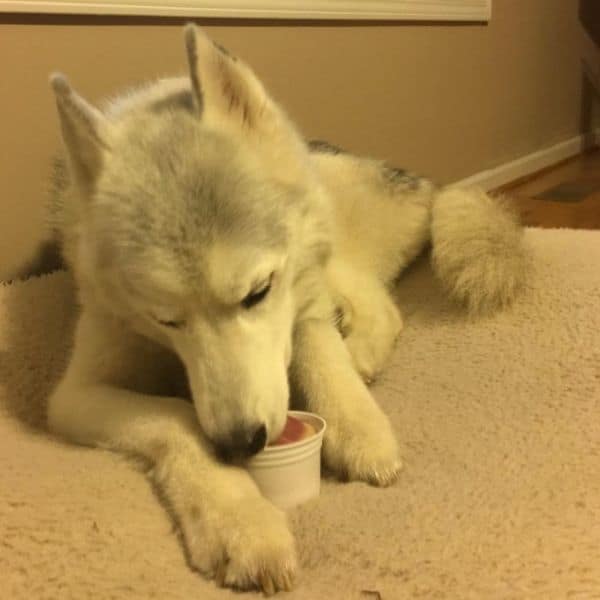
[479,252]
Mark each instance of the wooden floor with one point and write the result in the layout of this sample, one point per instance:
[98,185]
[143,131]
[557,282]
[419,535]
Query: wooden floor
[567,195]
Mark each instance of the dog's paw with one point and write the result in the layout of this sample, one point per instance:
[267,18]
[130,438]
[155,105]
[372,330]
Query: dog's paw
[362,449]
[368,355]
[243,545]
[370,340]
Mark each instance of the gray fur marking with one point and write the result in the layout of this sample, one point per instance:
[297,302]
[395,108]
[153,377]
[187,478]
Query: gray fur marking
[169,157]
[324,147]
[182,100]
[59,182]
[401,178]
[59,175]
[398,178]
[224,51]
[47,259]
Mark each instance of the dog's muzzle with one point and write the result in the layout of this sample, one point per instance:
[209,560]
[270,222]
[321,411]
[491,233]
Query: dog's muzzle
[241,444]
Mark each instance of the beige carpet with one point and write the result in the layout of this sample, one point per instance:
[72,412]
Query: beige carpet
[499,422]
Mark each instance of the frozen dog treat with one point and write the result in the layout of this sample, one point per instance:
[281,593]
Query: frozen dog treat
[294,431]
[288,471]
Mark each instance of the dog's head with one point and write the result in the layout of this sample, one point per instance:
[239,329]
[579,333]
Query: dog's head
[191,199]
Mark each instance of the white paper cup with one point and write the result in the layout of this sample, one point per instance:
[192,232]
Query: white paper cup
[290,474]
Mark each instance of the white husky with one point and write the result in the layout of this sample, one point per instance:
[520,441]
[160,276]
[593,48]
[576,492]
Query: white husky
[221,259]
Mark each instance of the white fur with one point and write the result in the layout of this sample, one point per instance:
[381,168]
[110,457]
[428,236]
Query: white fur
[479,252]
[171,218]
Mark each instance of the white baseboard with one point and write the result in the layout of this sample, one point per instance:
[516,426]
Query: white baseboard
[526,165]
[442,10]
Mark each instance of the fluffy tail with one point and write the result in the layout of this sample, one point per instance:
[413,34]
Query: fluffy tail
[479,252]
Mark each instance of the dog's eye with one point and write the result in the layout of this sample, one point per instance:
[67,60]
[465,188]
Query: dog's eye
[254,298]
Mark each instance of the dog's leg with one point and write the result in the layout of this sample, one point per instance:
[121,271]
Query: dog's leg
[359,442]
[370,320]
[230,531]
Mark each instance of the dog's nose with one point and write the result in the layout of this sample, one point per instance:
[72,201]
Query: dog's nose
[241,444]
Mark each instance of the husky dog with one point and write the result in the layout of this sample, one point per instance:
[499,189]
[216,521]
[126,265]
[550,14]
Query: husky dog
[223,266]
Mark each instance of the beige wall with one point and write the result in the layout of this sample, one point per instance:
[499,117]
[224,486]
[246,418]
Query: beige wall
[445,100]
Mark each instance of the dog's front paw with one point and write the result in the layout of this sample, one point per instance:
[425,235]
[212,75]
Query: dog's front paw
[362,447]
[243,545]
[371,338]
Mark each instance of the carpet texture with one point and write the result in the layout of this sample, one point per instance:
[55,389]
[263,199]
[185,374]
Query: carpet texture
[499,425]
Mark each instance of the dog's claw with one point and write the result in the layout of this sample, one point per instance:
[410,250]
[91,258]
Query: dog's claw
[220,574]
[385,477]
[257,550]
[287,582]
[266,583]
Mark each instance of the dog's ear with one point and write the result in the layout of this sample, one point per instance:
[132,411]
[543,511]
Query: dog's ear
[224,87]
[85,132]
